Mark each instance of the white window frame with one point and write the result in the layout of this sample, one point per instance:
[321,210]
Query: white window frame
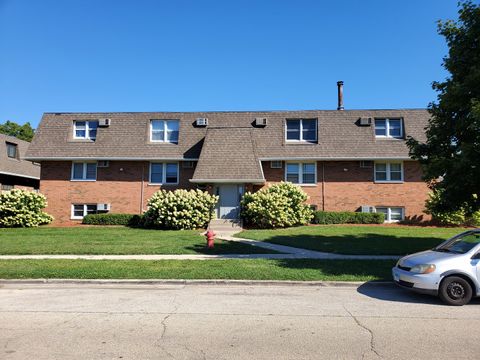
[84,170]
[164,173]
[388,171]
[72,211]
[301,131]
[87,130]
[165,121]
[388,218]
[276,164]
[387,128]
[300,172]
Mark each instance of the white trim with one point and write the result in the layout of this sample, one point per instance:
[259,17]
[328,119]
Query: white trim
[387,128]
[87,130]
[164,174]
[228,181]
[300,172]
[315,158]
[84,170]
[79,158]
[19,175]
[164,131]
[301,140]
[389,213]
[388,172]
[73,217]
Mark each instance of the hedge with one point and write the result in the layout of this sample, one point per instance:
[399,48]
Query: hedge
[21,208]
[112,219]
[347,217]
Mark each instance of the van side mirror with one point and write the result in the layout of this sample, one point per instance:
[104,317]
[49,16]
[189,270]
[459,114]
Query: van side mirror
[476,256]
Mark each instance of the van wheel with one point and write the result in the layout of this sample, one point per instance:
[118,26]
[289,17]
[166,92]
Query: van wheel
[455,290]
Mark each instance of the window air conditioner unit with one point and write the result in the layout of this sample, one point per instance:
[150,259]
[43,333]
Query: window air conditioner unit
[365,121]
[104,122]
[201,121]
[260,121]
[368,209]
[103,207]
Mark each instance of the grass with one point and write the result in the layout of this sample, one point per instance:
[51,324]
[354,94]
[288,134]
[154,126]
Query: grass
[339,270]
[361,240]
[112,240]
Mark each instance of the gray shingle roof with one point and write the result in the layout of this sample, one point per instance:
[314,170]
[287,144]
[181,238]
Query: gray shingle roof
[18,166]
[228,155]
[339,137]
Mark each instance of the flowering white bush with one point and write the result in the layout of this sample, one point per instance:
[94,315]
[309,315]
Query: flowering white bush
[280,205]
[20,208]
[180,209]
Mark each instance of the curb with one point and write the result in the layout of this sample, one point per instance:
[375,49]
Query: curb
[190,282]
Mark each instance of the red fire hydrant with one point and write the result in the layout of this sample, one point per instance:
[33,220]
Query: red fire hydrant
[210,235]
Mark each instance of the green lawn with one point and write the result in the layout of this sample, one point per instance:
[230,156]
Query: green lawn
[339,270]
[112,240]
[362,240]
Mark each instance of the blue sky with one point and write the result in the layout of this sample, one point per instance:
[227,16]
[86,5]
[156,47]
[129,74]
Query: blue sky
[142,55]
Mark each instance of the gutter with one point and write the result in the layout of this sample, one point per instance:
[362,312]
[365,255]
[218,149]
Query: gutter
[54,158]
[228,181]
[20,175]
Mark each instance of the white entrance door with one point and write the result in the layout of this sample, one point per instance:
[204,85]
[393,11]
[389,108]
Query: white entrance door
[228,206]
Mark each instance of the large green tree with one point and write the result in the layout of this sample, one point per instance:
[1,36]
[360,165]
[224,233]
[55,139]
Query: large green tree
[451,154]
[23,132]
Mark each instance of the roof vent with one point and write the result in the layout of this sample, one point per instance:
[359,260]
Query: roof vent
[260,121]
[104,122]
[201,122]
[365,121]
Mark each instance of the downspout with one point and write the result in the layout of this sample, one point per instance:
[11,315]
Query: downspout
[323,185]
[141,190]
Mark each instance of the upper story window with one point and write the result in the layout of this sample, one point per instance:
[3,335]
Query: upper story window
[301,173]
[389,128]
[163,173]
[12,150]
[388,172]
[301,130]
[84,171]
[164,131]
[85,129]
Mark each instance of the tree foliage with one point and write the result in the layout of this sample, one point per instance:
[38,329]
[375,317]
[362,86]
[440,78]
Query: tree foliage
[22,132]
[451,154]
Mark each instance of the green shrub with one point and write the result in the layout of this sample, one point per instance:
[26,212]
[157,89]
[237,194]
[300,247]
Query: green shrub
[347,217]
[20,208]
[108,219]
[180,209]
[278,206]
[442,217]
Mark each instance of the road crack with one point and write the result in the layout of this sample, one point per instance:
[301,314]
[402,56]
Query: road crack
[370,332]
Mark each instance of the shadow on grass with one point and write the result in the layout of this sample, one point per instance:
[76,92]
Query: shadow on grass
[228,247]
[361,244]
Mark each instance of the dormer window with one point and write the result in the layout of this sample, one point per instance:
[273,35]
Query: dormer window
[11,150]
[388,128]
[301,130]
[164,131]
[85,129]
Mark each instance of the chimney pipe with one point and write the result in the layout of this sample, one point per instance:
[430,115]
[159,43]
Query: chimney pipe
[340,95]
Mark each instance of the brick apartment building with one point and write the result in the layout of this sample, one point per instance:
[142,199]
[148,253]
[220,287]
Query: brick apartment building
[354,160]
[15,171]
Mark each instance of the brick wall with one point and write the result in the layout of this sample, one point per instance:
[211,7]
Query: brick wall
[121,184]
[347,186]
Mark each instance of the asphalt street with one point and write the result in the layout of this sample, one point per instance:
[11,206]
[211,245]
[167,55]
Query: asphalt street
[88,321]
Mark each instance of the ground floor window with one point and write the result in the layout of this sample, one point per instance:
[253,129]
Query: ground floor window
[392,214]
[6,187]
[301,173]
[80,210]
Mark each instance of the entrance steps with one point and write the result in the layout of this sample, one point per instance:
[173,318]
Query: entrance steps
[226,227]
